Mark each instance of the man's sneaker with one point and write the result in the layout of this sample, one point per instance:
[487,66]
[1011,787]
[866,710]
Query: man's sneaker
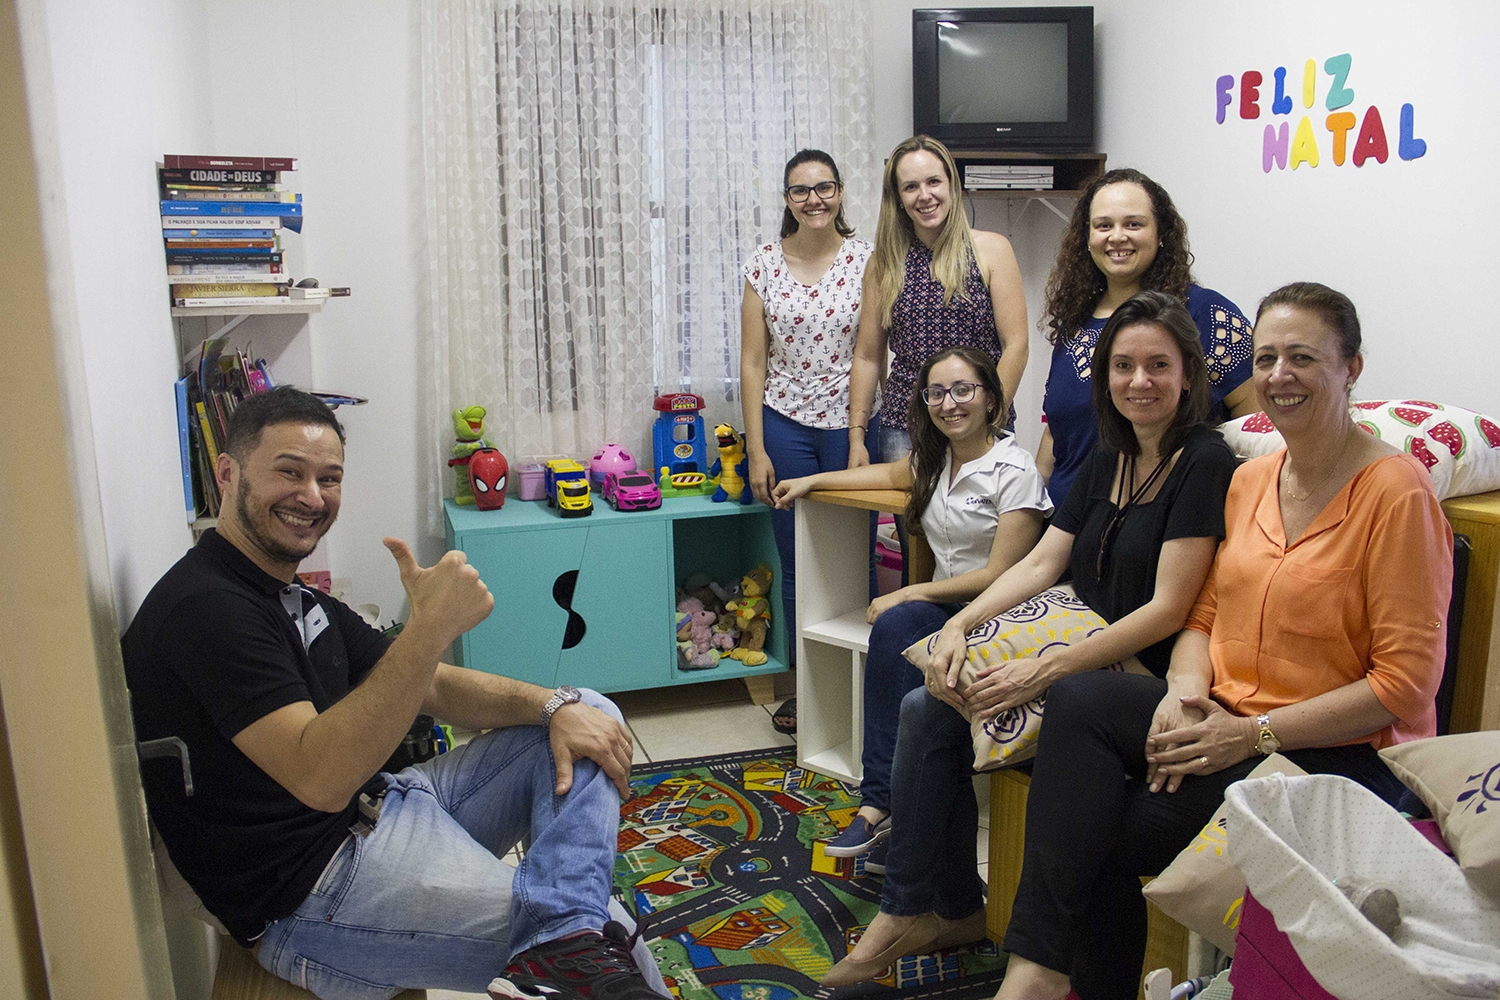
[587,966]
[858,837]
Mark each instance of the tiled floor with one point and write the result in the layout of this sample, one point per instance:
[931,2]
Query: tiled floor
[710,718]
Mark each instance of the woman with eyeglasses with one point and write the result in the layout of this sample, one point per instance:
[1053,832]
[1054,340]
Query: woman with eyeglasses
[797,326]
[1138,531]
[932,283]
[977,497]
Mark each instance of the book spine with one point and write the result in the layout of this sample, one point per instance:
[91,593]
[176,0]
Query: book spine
[208,435]
[223,268]
[171,178]
[177,161]
[212,222]
[228,301]
[209,245]
[219,290]
[228,195]
[233,209]
[222,258]
[223,279]
[184,436]
[218,232]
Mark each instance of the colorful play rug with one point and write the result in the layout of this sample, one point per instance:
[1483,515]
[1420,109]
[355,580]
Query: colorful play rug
[721,858]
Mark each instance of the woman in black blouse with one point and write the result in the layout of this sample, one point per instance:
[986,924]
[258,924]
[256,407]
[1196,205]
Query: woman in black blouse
[1139,531]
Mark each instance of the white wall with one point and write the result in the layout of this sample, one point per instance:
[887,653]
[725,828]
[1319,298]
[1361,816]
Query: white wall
[1398,238]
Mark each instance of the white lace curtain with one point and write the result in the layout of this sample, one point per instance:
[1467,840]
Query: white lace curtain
[595,173]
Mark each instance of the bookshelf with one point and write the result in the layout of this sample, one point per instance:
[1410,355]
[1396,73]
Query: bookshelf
[269,309]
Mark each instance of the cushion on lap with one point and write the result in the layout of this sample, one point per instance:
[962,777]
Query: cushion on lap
[1055,617]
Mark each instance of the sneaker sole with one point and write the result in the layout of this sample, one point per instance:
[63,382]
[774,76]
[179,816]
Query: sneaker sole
[850,852]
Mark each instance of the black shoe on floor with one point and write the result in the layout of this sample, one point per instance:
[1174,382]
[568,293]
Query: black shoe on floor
[784,719]
[587,966]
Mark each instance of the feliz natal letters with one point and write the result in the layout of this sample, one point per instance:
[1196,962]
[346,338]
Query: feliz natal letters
[1281,146]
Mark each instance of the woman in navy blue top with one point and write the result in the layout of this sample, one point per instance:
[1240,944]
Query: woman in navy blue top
[1125,237]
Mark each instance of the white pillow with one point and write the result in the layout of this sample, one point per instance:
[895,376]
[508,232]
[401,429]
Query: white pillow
[1459,448]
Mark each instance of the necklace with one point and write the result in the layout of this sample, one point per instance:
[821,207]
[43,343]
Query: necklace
[1286,474]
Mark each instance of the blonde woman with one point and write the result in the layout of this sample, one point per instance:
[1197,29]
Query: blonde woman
[932,283]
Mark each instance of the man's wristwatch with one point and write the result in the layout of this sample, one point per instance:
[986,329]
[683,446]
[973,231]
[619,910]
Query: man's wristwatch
[564,695]
[1266,743]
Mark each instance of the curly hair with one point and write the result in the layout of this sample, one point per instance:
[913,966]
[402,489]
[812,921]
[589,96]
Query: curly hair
[894,233]
[929,446]
[1076,284]
[788,220]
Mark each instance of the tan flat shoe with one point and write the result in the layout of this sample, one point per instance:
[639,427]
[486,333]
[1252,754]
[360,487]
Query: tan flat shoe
[966,931]
[917,938]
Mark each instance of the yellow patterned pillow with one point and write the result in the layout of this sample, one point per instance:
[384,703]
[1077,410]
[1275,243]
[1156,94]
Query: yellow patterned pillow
[1055,617]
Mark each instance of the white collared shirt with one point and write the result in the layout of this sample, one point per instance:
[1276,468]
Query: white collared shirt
[960,518]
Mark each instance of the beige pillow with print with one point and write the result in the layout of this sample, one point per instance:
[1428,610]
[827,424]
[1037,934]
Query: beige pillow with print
[1458,777]
[1200,889]
[1055,617]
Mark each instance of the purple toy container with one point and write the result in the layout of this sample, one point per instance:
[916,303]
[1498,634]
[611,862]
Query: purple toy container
[530,476]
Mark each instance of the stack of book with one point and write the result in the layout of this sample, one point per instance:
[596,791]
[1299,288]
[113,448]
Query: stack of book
[1006,177]
[216,382]
[220,218]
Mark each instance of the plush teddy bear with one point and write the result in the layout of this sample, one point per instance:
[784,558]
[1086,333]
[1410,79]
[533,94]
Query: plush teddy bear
[695,635]
[726,635]
[752,614]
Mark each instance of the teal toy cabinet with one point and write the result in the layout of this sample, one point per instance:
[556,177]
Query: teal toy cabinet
[591,601]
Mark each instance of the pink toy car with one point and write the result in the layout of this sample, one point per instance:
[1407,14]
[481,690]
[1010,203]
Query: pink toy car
[609,458]
[633,490]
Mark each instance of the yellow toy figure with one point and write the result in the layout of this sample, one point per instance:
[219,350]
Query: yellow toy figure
[468,427]
[752,615]
[731,466]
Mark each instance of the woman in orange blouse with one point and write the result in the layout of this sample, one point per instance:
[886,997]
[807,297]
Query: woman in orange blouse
[1320,634]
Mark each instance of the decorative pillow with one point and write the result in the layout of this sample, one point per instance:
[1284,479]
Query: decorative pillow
[1458,777]
[1460,448]
[1200,889]
[1055,617]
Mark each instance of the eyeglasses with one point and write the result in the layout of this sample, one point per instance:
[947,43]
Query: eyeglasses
[961,392]
[824,190]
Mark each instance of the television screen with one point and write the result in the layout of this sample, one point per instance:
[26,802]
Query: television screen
[1002,72]
[1000,78]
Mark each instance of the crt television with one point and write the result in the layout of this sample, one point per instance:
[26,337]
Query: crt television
[1004,77]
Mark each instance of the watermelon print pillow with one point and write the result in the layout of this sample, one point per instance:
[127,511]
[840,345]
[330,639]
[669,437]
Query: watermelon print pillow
[1458,447]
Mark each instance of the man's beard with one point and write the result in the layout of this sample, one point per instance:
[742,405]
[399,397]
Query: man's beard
[267,544]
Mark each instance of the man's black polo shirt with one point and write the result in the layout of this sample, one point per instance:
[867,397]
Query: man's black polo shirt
[213,649]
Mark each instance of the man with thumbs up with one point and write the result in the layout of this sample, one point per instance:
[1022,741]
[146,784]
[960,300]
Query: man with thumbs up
[347,880]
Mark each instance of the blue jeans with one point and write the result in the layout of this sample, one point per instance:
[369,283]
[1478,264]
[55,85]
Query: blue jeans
[796,450]
[894,443]
[425,901]
[888,677]
[932,864]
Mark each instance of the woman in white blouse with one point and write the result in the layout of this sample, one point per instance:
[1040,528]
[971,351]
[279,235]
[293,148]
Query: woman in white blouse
[977,497]
[798,322]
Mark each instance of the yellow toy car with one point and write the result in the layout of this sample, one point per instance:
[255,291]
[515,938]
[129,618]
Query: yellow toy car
[568,488]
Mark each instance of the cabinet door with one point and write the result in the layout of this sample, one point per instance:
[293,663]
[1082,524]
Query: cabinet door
[524,635]
[624,596]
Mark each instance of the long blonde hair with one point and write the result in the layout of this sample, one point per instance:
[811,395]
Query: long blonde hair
[894,234]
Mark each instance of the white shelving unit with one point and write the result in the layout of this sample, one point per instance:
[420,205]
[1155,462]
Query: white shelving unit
[833,580]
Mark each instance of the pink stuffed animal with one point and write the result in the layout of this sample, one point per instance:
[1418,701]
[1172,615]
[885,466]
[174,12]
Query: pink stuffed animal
[701,632]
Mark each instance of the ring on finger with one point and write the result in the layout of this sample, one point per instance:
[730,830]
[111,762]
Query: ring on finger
[1202,761]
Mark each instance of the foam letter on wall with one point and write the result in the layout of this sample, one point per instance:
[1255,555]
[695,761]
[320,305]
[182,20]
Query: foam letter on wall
[1273,148]
[1309,82]
[1304,146]
[1339,96]
[1282,105]
[1371,141]
[1408,145]
[1339,123]
[1249,92]
[1221,97]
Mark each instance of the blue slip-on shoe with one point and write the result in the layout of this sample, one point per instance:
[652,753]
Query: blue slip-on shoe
[857,838]
[875,860]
